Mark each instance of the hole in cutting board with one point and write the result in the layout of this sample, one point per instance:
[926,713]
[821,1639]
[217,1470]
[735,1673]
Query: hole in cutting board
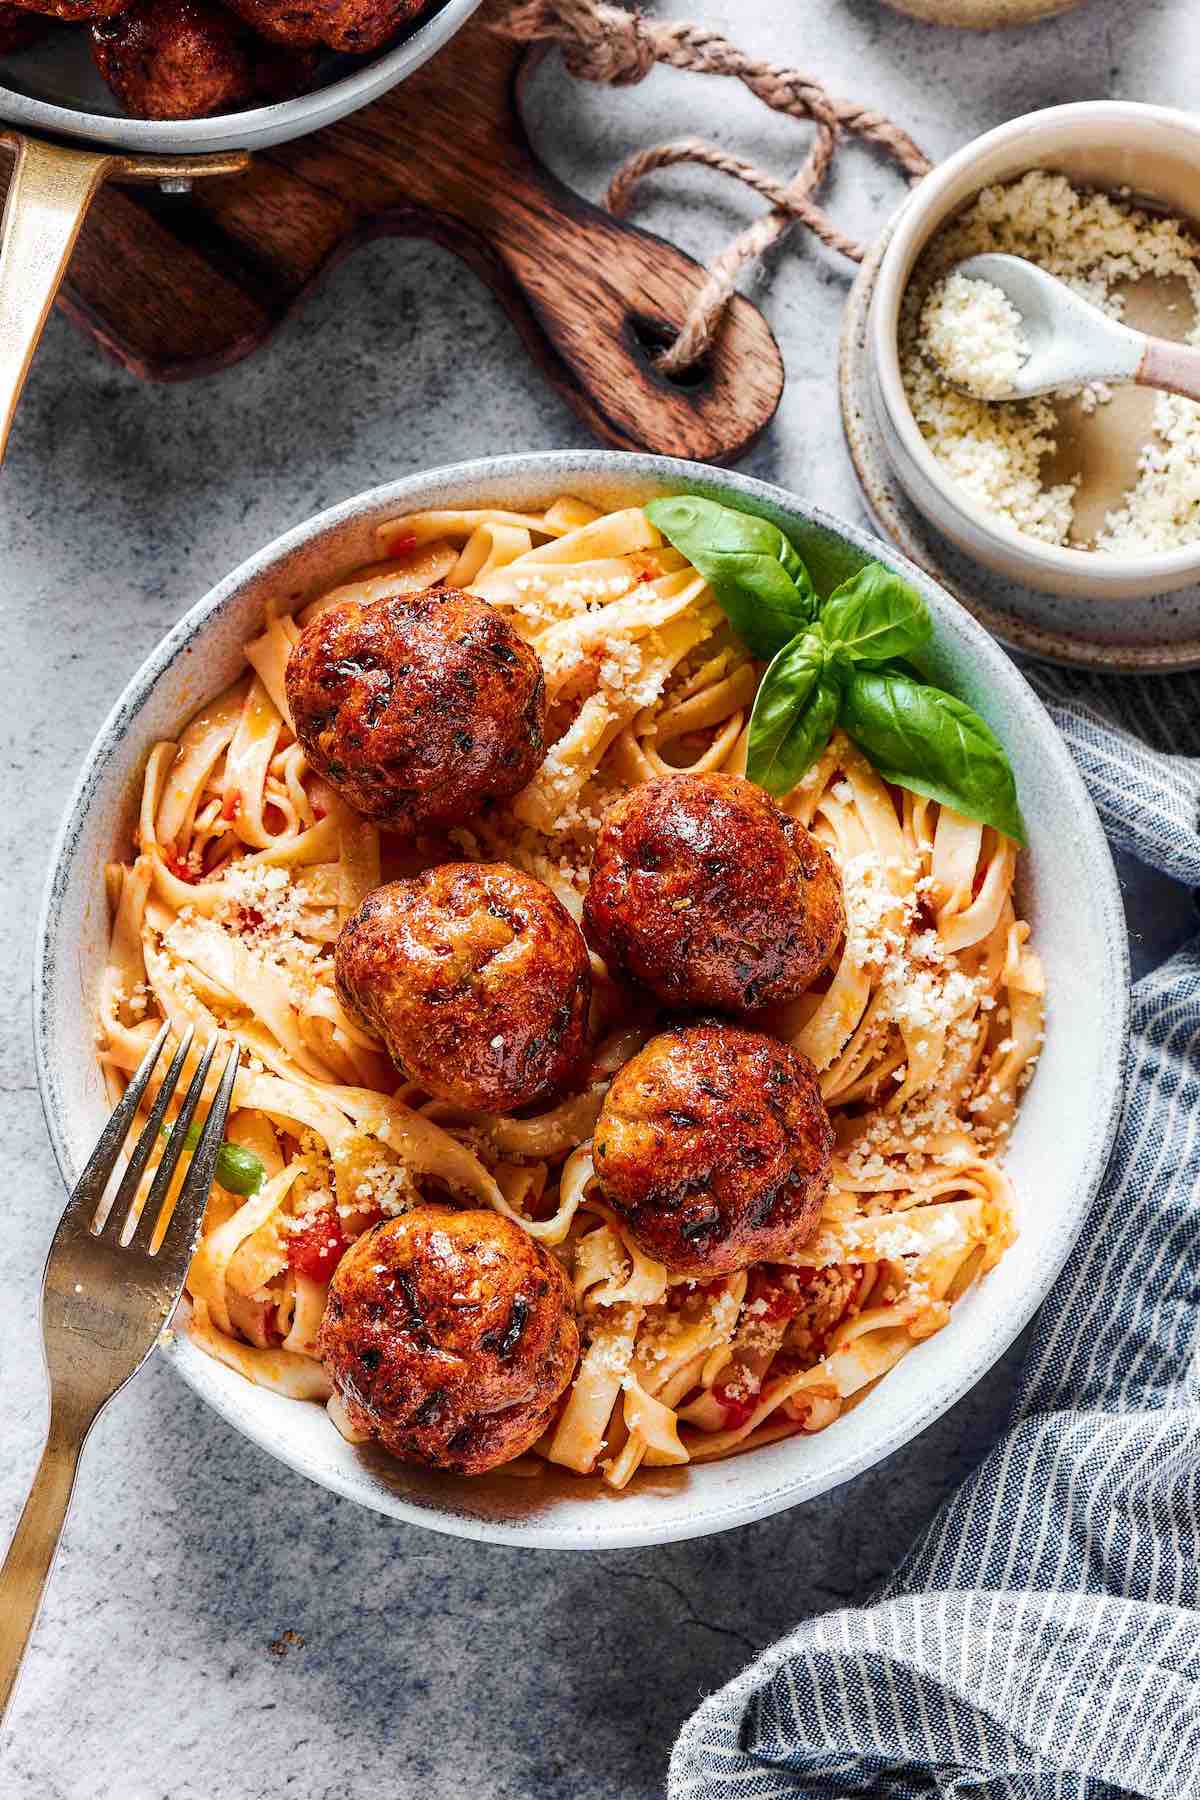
[1101,448]
[652,337]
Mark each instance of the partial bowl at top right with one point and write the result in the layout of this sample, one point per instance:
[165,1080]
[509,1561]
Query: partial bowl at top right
[1096,494]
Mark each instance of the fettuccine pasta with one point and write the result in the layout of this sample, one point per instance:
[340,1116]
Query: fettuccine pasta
[923,1032]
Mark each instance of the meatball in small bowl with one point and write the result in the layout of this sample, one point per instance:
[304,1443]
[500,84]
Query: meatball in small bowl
[420,709]
[356,27]
[477,979]
[449,1337]
[705,892]
[714,1147]
[187,59]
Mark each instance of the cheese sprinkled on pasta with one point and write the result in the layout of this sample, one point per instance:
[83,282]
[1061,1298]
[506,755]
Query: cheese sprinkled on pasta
[923,1033]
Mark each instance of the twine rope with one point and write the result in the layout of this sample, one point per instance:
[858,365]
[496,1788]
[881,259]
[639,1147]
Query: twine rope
[606,43]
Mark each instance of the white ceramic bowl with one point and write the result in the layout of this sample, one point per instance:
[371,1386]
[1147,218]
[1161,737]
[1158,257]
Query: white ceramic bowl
[1059,1146]
[1107,144]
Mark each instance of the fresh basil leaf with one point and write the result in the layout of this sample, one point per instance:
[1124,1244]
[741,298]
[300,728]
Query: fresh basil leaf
[921,738]
[760,582]
[794,713]
[875,616]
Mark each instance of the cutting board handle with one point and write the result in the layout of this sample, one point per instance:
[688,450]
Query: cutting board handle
[603,300]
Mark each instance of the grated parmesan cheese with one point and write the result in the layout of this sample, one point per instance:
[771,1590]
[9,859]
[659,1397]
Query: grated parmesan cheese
[389,1186]
[974,334]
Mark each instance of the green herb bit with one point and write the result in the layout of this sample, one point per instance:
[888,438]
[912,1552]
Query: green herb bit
[238,1170]
[875,617]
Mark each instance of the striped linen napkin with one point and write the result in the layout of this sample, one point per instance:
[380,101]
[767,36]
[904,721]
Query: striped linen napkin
[1042,1640]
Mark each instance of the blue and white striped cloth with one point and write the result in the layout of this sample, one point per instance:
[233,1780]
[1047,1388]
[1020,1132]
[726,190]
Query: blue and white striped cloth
[1043,1638]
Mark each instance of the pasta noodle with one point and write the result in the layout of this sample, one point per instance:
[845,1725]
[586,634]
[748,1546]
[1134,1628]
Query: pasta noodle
[923,1033]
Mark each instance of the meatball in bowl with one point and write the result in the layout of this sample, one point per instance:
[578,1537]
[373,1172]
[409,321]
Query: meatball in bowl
[211,75]
[420,709]
[477,979]
[707,893]
[183,59]
[713,1146]
[449,1337]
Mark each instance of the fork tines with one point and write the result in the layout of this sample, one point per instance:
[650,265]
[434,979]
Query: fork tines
[151,1230]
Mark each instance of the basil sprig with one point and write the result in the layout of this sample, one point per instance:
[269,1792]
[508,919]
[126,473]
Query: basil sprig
[840,661]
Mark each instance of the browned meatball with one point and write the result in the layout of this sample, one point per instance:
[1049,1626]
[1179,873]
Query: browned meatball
[419,708]
[449,1336]
[477,979]
[185,59]
[709,895]
[19,27]
[351,25]
[714,1146]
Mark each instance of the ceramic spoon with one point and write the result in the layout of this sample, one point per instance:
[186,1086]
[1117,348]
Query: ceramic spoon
[1071,342]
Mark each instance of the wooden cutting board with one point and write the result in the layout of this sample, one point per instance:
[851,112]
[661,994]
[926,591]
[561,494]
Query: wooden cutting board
[179,285]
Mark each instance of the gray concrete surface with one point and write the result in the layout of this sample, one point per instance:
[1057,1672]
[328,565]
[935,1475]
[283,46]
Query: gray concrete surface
[428,1668]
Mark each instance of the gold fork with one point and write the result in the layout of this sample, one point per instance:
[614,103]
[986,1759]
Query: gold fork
[111,1285]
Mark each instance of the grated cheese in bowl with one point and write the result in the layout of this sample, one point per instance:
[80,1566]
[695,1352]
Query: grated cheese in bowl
[998,451]
[973,332]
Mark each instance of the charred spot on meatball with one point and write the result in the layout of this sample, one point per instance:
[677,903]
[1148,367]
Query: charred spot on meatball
[449,1337]
[353,26]
[419,708]
[187,59]
[705,892]
[477,979]
[714,1146]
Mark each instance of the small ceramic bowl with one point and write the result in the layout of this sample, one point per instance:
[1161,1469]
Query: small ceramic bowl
[1059,1145]
[1109,144]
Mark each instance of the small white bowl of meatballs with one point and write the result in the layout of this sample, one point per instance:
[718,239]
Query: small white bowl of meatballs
[681,978]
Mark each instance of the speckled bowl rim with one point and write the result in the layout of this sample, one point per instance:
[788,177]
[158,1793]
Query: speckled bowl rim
[620,1523]
[1100,575]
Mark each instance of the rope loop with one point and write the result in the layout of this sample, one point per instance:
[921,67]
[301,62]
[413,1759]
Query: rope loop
[618,47]
[599,42]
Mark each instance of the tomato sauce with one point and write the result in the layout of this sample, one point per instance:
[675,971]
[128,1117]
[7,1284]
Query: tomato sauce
[318,1247]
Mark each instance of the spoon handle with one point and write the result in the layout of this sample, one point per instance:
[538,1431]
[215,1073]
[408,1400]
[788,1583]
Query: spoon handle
[1173,367]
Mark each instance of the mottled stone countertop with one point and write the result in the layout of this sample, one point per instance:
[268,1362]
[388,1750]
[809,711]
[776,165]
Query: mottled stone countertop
[428,1668]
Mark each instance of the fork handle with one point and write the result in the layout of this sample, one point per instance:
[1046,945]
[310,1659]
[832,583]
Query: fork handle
[35,1543]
